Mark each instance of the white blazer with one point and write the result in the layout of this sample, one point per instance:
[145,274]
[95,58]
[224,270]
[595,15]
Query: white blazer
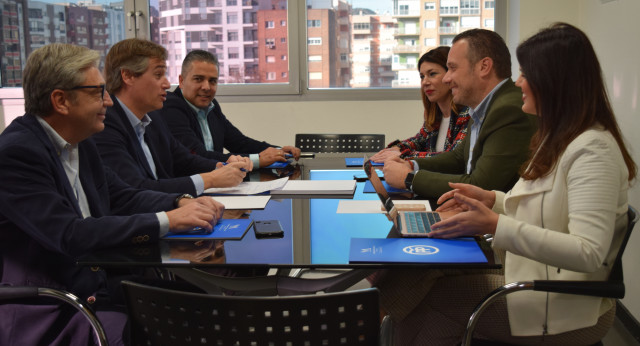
[567,225]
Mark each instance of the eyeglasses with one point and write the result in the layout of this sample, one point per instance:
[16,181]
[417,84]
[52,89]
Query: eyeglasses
[101,86]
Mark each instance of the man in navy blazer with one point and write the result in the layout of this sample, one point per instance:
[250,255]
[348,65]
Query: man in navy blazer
[58,202]
[139,147]
[196,119]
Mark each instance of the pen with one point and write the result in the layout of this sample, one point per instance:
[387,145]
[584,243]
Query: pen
[242,169]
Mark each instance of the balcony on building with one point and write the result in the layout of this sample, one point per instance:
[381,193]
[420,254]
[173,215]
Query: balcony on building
[403,48]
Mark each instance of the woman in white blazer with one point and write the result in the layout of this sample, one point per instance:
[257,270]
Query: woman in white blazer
[563,220]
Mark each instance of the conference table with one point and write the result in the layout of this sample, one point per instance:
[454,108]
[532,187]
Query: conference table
[314,236]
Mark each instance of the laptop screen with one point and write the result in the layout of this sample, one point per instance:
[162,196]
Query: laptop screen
[377,185]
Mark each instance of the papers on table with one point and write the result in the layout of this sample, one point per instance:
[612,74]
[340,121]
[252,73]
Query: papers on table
[317,187]
[374,206]
[249,187]
[284,186]
[243,202]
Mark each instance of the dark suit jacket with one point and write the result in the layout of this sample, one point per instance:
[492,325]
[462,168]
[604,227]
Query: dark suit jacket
[501,148]
[42,230]
[121,151]
[183,124]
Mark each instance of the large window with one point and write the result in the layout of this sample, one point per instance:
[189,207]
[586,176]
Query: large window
[264,46]
[98,27]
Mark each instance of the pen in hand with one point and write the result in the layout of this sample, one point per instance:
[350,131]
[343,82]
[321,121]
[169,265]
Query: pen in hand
[241,169]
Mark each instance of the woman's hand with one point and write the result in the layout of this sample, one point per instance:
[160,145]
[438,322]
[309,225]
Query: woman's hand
[448,203]
[476,219]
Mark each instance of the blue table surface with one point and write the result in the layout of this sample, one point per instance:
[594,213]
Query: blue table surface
[331,233]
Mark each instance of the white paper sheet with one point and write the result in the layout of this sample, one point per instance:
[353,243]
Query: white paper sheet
[373,206]
[243,202]
[317,187]
[249,187]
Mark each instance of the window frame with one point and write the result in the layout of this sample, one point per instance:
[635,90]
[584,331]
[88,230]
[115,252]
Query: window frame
[297,88]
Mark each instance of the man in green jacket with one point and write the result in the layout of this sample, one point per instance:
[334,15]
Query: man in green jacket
[497,143]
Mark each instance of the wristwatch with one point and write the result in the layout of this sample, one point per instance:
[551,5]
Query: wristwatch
[176,203]
[408,181]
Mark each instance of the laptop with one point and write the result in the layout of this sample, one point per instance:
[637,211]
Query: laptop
[407,223]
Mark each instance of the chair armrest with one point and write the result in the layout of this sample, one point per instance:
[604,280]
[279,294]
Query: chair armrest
[11,292]
[609,289]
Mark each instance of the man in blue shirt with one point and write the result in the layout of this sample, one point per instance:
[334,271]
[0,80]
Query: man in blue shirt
[196,120]
[137,145]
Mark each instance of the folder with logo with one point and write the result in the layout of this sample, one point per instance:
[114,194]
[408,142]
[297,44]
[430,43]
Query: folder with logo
[232,229]
[415,250]
[358,162]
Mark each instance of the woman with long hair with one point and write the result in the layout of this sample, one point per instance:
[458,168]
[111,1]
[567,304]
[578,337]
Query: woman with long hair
[445,123]
[563,220]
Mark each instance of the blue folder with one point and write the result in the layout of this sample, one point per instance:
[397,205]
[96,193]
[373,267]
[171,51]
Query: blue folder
[232,229]
[415,250]
[359,162]
[368,188]
[278,164]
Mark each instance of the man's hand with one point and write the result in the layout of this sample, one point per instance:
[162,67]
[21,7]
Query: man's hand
[194,214]
[238,158]
[395,172]
[386,154]
[295,152]
[225,175]
[271,155]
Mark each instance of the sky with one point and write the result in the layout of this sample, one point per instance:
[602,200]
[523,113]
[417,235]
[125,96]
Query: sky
[380,6]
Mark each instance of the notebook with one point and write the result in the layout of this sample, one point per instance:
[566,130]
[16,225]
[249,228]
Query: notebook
[232,229]
[423,250]
[407,223]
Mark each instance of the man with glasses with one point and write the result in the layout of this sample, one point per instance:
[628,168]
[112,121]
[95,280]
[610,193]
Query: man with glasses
[58,202]
[138,146]
[196,120]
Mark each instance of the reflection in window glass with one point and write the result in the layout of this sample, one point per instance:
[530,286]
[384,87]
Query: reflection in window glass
[28,25]
[363,44]
[245,36]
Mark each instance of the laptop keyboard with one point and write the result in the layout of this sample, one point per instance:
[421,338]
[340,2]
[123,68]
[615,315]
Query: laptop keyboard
[420,222]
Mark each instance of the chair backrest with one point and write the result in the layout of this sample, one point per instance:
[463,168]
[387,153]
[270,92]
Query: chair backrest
[167,317]
[339,143]
[616,271]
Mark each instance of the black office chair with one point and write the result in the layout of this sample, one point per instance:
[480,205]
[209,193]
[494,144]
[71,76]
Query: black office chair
[339,143]
[612,288]
[166,317]
[11,293]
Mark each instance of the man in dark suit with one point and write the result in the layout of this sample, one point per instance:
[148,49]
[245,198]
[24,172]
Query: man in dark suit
[139,147]
[57,201]
[497,141]
[196,120]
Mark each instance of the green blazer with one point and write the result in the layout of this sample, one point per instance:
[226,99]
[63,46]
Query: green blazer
[501,148]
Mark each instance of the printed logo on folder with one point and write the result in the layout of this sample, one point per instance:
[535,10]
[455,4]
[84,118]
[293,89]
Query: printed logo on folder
[415,250]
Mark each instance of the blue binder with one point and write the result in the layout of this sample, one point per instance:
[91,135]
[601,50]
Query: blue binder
[358,162]
[415,250]
[232,229]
